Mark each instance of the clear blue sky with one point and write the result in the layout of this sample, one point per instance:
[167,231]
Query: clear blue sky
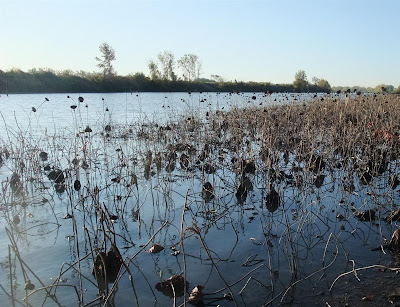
[347,42]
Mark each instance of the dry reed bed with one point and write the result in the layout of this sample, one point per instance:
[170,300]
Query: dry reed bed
[278,172]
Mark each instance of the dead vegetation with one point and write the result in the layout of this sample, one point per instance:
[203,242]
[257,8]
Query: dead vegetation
[260,185]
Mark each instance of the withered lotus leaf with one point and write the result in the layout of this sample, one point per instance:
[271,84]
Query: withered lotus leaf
[173,285]
[196,296]
[156,248]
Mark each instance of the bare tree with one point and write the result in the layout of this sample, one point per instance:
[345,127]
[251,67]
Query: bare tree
[167,61]
[191,67]
[107,56]
[316,80]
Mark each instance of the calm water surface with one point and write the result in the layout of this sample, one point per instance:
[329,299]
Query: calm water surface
[122,108]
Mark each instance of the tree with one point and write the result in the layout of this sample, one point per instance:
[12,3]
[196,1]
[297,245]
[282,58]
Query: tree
[324,85]
[315,81]
[155,73]
[65,72]
[191,67]
[218,78]
[321,84]
[163,67]
[300,81]
[167,62]
[381,88]
[107,56]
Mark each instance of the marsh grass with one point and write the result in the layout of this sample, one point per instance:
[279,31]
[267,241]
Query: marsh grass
[259,204]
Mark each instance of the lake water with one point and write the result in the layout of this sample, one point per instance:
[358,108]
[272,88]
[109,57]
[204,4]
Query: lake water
[123,108]
[126,198]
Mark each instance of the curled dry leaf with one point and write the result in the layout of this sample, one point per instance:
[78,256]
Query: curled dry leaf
[207,192]
[174,286]
[272,201]
[77,185]
[368,298]
[29,285]
[340,216]
[107,265]
[156,248]
[88,129]
[43,156]
[196,296]
[255,241]
[228,296]
[16,220]
[175,253]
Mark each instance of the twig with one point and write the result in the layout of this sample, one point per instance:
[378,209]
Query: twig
[360,269]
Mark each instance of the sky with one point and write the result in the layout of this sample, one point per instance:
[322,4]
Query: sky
[347,42]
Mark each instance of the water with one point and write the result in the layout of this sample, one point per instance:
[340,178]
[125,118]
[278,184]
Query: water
[301,239]
[123,108]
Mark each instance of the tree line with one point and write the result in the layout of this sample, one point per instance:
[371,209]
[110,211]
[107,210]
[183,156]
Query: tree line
[50,81]
[162,77]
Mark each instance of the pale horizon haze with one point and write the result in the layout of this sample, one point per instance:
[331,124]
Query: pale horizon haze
[348,43]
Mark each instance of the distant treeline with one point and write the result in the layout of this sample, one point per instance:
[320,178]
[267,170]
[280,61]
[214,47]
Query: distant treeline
[48,81]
